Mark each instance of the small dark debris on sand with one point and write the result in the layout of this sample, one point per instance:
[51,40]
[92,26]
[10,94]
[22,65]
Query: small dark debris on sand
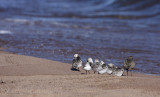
[2,82]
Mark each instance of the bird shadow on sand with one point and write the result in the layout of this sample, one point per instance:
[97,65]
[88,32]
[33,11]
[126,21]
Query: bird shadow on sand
[83,73]
[74,69]
[124,75]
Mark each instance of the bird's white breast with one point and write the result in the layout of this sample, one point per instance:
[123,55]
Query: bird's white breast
[87,66]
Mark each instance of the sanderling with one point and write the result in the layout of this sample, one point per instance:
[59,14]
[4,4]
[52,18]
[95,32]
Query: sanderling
[95,66]
[129,64]
[118,71]
[110,68]
[104,68]
[88,65]
[77,62]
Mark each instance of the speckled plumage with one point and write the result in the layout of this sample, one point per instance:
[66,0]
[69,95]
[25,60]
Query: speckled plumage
[129,64]
[118,71]
[76,62]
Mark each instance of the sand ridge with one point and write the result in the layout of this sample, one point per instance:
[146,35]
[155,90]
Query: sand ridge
[13,64]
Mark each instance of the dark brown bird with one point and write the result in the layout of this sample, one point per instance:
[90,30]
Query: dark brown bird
[129,64]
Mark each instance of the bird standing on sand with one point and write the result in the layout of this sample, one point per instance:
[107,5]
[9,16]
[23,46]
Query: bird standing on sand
[88,65]
[95,66]
[77,62]
[129,64]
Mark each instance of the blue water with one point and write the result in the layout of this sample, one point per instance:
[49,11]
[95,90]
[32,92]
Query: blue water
[110,30]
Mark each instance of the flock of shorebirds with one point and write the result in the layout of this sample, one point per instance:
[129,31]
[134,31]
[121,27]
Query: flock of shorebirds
[100,67]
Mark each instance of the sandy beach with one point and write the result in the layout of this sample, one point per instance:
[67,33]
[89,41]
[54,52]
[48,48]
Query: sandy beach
[26,76]
[39,38]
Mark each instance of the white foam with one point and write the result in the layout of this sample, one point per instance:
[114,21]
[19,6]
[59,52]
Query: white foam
[18,20]
[5,32]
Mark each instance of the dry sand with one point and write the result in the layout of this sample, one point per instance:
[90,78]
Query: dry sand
[25,76]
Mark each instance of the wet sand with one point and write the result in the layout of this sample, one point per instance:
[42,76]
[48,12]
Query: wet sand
[26,76]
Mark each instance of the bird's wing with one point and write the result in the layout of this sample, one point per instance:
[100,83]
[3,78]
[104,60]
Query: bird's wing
[132,65]
[104,65]
[126,64]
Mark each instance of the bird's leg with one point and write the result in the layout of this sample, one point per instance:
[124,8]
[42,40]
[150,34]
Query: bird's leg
[131,73]
[94,72]
[88,72]
[72,66]
[78,69]
[111,74]
[127,72]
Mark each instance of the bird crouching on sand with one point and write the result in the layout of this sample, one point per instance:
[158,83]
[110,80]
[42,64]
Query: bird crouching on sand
[129,64]
[104,68]
[118,71]
[110,68]
[87,66]
[76,62]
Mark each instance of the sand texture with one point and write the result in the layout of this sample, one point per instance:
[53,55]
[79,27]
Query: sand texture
[25,76]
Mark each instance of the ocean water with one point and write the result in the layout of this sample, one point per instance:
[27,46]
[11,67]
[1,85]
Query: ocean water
[110,30]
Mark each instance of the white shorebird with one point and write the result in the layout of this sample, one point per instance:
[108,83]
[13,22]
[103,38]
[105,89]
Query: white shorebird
[104,68]
[88,65]
[95,66]
[110,68]
[118,71]
[77,62]
[129,64]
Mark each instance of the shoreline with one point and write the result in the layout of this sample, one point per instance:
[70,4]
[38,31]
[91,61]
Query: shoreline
[29,76]
[53,62]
